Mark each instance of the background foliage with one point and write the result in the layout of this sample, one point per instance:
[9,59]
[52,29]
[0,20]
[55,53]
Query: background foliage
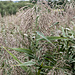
[9,7]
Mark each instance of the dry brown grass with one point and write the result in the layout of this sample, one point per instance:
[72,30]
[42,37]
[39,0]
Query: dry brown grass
[13,28]
[25,21]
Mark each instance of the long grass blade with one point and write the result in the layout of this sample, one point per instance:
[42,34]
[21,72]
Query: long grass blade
[29,63]
[28,51]
[53,38]
[40,34]
[39,70]
[14,57]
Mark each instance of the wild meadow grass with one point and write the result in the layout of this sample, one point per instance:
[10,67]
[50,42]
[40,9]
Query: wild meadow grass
[38,41]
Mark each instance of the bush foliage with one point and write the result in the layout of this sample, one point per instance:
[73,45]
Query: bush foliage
[9,7]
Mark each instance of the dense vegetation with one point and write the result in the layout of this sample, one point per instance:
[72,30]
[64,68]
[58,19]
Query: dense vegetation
[41,40]
[9,7]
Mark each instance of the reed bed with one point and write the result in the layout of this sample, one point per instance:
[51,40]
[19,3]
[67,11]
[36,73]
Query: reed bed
[14,30]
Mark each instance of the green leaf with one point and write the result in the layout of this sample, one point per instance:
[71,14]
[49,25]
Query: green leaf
[31,56]
[73,61]
[63,32]
[37,20]
[14,57]
[72,41]
[40,34]
[54,24]
[39,70]
[29,63]
[28,51]
[53,38]
[47,67]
